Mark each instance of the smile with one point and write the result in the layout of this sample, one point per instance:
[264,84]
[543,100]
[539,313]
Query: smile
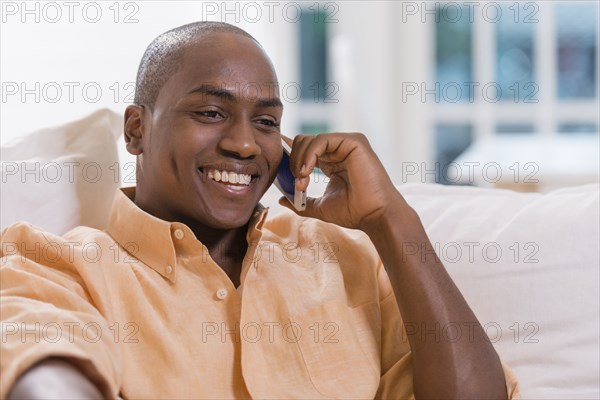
[230,177]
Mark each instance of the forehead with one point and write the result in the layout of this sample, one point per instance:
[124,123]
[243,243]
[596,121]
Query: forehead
[226,60]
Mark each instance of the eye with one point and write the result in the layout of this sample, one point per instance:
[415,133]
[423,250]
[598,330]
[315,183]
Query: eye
[208,115]
[268,122]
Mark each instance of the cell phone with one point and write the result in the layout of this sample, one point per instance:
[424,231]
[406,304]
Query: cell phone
[285,180]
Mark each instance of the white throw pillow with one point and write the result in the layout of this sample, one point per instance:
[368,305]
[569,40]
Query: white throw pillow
[61,177]
[528,266]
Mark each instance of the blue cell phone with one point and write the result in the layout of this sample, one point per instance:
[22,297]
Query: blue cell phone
[285,180]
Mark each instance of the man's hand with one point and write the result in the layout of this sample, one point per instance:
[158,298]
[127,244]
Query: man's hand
[54,378]
[359,190]
[361,195]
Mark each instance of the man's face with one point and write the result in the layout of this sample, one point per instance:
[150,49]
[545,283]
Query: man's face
[218,116]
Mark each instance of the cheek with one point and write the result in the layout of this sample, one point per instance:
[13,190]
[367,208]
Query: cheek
[181,141]
[272,152]
[169,152]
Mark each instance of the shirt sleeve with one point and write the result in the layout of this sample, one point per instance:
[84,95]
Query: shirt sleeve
[396,365]
[46,311]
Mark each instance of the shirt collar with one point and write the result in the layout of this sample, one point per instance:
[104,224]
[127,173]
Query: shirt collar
[152,240]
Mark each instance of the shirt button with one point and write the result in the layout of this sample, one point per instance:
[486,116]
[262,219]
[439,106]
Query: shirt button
[179,234]
[169,270]
[222,293]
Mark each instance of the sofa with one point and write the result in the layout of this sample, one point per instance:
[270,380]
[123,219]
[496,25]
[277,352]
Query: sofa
[527,263]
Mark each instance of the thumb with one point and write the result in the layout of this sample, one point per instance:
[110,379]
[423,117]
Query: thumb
[312,209]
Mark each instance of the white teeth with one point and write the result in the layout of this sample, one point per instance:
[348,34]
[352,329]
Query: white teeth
[229,177]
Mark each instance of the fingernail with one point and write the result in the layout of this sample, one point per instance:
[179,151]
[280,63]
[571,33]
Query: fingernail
[303,169]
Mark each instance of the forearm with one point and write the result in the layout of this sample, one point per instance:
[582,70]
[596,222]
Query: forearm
[54,378]
[360,195]
[445,366]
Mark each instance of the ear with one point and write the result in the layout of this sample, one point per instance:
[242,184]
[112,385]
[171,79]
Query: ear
[134,129]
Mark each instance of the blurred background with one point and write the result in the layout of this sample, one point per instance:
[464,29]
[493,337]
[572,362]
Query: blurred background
[499,94]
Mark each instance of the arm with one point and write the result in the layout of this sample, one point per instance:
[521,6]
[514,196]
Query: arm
[428,301]
[360,195]
[46,310]
[54,378]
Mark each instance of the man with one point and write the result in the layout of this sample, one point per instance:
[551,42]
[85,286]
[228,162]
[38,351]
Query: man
[196,294]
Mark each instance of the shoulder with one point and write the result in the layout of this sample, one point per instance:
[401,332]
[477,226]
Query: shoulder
[20,234]
[289,226]
[28,247]
[84,234]
[25,236]
[325,246]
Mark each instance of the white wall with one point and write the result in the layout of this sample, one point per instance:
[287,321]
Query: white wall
[58,64]
[63,70]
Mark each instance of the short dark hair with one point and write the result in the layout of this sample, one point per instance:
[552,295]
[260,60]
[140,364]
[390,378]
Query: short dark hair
[162,57]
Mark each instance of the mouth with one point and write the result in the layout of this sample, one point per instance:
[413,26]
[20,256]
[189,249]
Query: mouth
[232,181]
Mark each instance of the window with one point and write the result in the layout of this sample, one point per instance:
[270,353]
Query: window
[514,55]
[451,140]
[530,67]
[577,48]
[453,55]
[577,127]
[313,55]
[316,89]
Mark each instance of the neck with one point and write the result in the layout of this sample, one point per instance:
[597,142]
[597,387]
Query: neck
[222,244]
[227,247]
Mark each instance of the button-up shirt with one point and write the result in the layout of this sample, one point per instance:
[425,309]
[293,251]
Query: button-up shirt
[147,313]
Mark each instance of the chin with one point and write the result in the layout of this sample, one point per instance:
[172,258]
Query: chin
[227,219]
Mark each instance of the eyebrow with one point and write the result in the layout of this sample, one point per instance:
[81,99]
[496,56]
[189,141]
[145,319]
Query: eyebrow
[228,95]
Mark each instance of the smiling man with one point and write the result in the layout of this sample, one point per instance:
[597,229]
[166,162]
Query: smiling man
[208,139]
[193,296]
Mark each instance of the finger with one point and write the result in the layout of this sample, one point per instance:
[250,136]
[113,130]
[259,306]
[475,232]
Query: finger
[312,209]
[301,143]
[329,152]
[283,201]
[309,158]
[288,140]
[302,146]
[302,183]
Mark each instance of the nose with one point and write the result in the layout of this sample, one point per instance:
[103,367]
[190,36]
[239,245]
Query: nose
[239,140]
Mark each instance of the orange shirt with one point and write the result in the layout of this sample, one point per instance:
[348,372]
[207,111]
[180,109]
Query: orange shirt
[147,310]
